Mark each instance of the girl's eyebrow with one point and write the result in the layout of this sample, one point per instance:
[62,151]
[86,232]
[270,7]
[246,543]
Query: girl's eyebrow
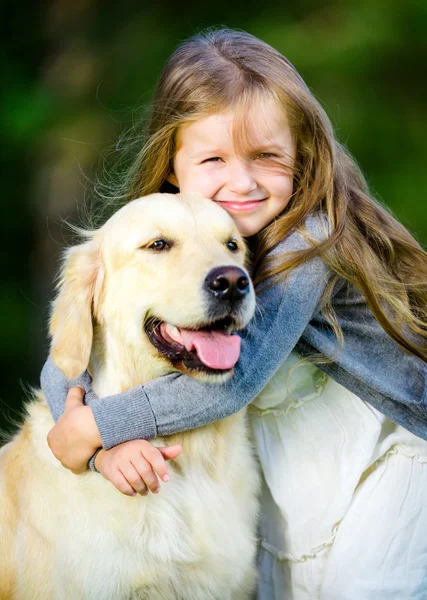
[259,149]
[210,151]
[270,148]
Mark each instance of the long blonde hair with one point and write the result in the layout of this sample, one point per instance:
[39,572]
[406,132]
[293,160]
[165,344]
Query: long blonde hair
[220,69]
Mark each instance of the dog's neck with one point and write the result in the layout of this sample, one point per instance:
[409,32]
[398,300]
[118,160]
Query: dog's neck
[116,365]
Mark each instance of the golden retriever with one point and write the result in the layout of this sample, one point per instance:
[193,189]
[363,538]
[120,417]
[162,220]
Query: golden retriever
[153,274]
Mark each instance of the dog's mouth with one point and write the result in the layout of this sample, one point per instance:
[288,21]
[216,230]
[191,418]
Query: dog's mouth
[213,349]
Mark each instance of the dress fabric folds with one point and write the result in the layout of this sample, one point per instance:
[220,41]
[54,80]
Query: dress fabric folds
[344,494]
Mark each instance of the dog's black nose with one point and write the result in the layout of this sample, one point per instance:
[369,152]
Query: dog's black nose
[227,283]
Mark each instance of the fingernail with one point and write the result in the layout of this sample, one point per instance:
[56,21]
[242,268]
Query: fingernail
[165,477]
[156,491]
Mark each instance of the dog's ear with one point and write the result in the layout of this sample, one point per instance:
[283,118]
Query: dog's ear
[71,320]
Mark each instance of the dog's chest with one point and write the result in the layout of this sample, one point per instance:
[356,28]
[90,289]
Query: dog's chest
[205,515]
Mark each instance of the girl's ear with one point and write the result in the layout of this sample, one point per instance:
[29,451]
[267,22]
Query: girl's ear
[71,319]
[172,179]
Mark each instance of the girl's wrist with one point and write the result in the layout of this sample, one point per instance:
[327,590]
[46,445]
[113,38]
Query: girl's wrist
[91,429]
[94,461]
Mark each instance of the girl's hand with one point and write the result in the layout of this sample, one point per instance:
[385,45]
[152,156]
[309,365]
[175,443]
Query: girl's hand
[75,436]
[133,466]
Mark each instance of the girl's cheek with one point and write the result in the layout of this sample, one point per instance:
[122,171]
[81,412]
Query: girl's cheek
[208,184]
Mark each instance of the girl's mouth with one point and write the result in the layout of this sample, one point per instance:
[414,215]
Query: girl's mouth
[242,206]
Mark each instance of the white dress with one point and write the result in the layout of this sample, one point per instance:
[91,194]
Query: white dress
[344,498]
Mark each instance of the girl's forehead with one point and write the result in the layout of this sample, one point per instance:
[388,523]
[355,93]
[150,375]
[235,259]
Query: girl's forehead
[262,124]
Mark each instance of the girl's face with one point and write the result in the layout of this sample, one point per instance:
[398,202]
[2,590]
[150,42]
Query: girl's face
[253,188]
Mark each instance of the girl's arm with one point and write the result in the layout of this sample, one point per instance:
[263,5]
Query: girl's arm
[176,402]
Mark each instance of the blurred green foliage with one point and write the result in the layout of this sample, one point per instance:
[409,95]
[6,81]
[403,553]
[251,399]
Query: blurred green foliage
[76,74]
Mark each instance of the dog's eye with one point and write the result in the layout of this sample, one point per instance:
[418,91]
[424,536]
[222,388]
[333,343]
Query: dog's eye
[232,245]
[159,245]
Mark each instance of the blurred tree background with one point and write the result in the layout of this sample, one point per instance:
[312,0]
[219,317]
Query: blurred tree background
[77,73]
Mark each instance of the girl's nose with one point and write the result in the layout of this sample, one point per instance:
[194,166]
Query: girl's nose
[241,178]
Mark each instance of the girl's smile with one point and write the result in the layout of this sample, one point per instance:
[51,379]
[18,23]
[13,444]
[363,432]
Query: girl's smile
[253,185]
[242,206]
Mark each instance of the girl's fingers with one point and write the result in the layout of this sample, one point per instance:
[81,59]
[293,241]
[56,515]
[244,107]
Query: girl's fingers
[134,478]
[157,460]
[171,452]
[119,480]
[145,474]
[74,397]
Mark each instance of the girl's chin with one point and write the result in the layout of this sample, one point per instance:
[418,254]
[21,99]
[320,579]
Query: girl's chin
[245,227]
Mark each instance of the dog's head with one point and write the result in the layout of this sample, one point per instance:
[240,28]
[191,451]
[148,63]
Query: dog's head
[163,282]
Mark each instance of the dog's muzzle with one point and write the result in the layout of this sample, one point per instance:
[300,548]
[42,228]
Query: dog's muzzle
[210,346]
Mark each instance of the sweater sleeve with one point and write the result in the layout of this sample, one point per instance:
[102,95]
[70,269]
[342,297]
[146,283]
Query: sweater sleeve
[177,402]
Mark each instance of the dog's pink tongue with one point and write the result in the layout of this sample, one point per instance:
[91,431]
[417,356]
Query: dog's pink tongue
[215,349]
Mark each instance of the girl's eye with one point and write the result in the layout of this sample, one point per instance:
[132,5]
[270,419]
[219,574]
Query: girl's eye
[266,155]
[213,159]
[232,245]
[159,245]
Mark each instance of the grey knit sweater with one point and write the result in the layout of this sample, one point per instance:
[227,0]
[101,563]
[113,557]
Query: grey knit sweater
[370,364]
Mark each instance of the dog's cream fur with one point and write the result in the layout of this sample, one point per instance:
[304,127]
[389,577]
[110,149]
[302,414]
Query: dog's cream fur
[69,537]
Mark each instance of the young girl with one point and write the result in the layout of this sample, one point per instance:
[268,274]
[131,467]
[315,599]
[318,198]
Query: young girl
[340,282]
